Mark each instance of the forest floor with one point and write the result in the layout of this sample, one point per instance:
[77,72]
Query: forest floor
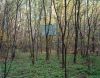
[23,68]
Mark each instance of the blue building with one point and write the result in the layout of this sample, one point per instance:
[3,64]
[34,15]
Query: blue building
[50,29]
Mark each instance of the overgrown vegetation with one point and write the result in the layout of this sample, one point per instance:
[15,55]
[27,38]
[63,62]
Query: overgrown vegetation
[23,68]
[49,38]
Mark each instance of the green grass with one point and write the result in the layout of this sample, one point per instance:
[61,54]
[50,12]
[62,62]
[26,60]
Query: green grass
[22,67]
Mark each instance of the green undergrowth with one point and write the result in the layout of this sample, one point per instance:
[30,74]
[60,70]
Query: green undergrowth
[23,68]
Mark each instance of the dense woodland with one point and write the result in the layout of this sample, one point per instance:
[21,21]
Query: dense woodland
[49,39]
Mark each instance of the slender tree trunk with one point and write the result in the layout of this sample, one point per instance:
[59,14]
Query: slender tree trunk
[65,50]
[32,39]
[77,15]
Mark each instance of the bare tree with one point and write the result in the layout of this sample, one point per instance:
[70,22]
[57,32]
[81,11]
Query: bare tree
[31,32]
